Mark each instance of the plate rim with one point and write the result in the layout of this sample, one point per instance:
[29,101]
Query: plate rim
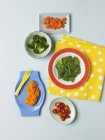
[87,68]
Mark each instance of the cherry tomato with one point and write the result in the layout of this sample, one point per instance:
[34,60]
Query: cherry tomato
[59,109]
[54,111]
[62,105]
[62,118]
[66,111]
[57,104]
[64,115]
[62,111]
[68,117]
[67,107]
[59,113]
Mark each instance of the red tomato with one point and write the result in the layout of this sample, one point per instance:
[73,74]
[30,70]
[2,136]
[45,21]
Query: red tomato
[62,105]
[62,118]
[59,109]
[59,113]
[66,111]
[64,115]
[54,111]
[68,117]
[62,111]
[57,104]
[67,107]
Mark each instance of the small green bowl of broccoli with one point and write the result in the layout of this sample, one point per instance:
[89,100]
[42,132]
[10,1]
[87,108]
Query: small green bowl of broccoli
[38,44]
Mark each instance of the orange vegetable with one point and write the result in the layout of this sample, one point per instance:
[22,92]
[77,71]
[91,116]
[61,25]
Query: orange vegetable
[54,23]
[33,93]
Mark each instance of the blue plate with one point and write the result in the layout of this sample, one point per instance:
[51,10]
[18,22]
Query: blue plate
[24,108]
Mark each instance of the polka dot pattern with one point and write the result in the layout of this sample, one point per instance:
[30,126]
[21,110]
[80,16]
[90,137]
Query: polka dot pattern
[99,52]
[70,43]
[91,90]
[94,47]
[78,45]
[81,88]
[92,75]
[100,59]
[52,85]
[100,87]
[88,51]
[100,77]
[68,94]
[94,63]
[93,97]
[75,93]
[99,70]
[91,87]
[85,94]
[61,91]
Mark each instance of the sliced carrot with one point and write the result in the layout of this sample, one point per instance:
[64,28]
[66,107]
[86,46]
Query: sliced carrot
[47,26]
[54,23]
[64,19]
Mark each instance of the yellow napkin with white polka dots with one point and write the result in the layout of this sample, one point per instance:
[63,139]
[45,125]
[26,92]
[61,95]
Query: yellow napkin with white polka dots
[92,89]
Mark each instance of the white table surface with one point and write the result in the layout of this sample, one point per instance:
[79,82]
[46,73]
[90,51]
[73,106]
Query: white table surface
[17,19]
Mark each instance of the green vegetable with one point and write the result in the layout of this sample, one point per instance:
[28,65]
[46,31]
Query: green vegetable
[35,38]
[38,44]
[68,68]
[40,48]
[42,40]
[30,46]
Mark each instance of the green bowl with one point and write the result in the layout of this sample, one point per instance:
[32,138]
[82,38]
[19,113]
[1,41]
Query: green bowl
[30,51]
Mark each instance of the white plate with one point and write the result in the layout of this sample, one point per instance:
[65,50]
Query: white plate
[66,29]
[67,102]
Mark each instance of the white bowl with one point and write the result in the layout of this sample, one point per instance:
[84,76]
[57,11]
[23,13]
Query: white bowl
[30,51]
[67,102]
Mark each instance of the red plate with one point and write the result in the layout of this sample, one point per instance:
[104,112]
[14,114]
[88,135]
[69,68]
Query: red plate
[80,79]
